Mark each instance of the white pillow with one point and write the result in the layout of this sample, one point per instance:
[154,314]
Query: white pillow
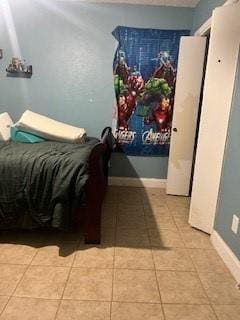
[5,124]
[50,129]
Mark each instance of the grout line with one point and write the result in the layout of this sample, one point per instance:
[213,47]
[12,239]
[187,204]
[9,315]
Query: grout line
[20,280]
[8,299]
[200,281]
[143,206]
[114,253]
[196,270]
[65,285]
[155,272]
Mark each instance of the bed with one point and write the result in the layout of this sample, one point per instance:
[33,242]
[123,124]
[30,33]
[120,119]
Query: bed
[54,185]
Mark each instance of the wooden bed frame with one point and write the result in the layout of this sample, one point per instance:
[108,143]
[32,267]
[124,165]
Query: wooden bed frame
[96,187]
[89,213]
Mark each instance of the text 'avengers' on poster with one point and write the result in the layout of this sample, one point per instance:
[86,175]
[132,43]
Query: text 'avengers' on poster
[144,68]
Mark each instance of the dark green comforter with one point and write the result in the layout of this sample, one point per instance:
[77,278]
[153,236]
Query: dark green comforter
[41,184]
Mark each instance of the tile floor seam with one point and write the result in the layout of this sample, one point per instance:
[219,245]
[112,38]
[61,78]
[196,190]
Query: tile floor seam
[195,265]
[64,287]
[205,291]
[155,272]
[196,271]
[114,252]
[18,283]
[179,229]
[9,297]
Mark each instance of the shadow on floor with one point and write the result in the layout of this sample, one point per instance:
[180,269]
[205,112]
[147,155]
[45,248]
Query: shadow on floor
[132,217]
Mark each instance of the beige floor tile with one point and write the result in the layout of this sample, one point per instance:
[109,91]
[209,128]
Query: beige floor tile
[127,210]
[154,200]
[10,275]
[56,236]
[3,302]
[227,312]
[111,195]
[129,198]
[29,238]
[165,238]
[89,284]
[94,257]
[16,253]
[188,312]
[43,282]
[136,311]
[176,201]
[160,223]
[108,236]
[172,259]
[181,287]
[180,211]
[57,255]
[109,215]
[131,191]
[207,261]
[157,211]
[83,310]
[29,309]
[131,220]
[133,258]
[154,191]
[196,239]
[220,288]
[182,222]
[135,286]
[132,237]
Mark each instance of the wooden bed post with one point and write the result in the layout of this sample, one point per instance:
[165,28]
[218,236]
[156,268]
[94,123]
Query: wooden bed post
[96,186]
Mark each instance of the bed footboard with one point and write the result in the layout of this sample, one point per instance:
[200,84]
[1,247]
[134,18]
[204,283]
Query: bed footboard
[96,187]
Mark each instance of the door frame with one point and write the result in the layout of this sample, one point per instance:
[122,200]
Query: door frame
[206,26]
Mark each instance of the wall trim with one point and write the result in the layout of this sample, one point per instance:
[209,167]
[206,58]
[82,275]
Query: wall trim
[205,27]
[137,182]
[229,258]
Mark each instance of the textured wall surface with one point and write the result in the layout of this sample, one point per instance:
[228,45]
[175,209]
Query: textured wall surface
[71,49]
[203,11]
[229,194]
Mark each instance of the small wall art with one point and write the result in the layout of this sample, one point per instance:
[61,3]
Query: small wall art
[1,53]
[19,69]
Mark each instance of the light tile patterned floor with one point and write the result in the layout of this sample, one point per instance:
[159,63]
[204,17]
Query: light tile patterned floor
[151,265]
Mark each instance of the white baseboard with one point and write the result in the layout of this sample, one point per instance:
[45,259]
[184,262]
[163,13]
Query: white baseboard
[137,182]
[229,258]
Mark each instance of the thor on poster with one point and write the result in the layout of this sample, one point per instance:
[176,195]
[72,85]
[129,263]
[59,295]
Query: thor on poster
[144,68]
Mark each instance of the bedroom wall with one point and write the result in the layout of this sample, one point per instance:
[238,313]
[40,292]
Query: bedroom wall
[203,11]
[71,49]
[228,198]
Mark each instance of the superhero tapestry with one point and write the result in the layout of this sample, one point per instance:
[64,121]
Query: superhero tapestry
[144,69]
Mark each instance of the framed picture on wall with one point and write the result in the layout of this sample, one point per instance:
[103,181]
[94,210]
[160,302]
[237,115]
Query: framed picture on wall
[1,53]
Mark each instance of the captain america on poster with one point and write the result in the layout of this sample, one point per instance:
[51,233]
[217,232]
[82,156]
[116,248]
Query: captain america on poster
[144,68]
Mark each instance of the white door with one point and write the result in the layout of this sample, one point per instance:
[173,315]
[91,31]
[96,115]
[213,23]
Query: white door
[186,105]
[216,106]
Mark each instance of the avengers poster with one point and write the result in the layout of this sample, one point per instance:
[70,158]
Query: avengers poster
[144,68]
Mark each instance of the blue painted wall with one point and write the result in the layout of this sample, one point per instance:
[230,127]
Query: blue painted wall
[229,194]
[203,11]
[228,197]
[71,49]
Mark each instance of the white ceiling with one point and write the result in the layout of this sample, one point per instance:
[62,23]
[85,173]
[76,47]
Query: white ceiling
[173,3]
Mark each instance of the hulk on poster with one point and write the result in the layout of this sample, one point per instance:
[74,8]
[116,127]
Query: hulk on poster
[144,80]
